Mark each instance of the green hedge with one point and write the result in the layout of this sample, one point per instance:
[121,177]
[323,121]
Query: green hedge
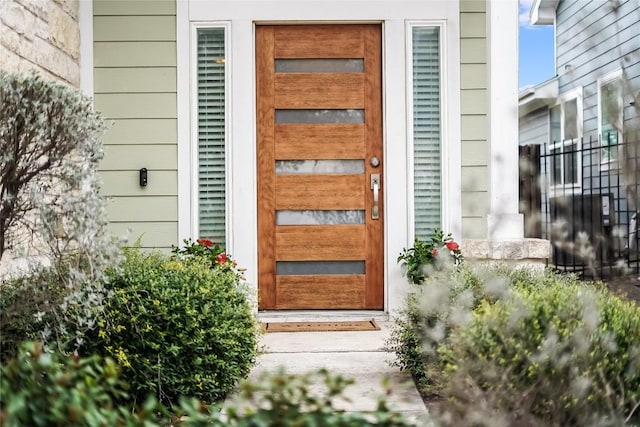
[176,328]
[528,348]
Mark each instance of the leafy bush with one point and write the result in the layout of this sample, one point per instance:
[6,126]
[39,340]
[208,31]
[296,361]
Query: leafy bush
[426,257]
[27,304]
[42,389]
[205,250]
[52,215]
[177,329]
[282,399]
[521,348]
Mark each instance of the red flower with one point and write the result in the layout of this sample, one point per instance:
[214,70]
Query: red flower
[452,246]
[221,258]
[205,242]
[434,253]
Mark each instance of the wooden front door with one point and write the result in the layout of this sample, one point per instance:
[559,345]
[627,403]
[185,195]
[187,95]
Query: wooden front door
[319,150]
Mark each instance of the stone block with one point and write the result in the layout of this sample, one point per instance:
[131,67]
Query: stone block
[475,248]
[538,248]
[513,249]
[64,31]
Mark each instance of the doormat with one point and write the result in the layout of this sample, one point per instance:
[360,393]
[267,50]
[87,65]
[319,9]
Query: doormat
[365,325]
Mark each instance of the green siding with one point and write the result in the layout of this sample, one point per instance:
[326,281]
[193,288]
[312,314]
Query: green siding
[153,234]
[134,7]
[134,80]
[473,76]
[135,88]
[129,157]
[137,105]
[140,28]
[142,131]
[134,54]
[475,153]
[124,183]
[474,123]
[143,209]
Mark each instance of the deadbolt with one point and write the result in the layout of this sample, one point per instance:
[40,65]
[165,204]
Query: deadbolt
[374,162]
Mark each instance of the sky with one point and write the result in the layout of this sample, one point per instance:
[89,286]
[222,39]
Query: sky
[536,62]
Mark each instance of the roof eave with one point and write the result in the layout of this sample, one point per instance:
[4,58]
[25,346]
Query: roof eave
[543,12]
[532,98]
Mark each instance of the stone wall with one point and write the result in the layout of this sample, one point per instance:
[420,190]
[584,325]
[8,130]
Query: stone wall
[520,252]
[42,35]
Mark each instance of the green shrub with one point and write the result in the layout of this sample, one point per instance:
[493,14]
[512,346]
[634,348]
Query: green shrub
[177,329]
[282,399]
[42,389]
[522,348]
[427,257]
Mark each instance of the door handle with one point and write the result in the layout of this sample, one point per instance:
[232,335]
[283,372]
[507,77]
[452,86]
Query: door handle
[375,186]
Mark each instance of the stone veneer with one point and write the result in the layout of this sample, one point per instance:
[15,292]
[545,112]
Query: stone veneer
[532,252]
[42,35]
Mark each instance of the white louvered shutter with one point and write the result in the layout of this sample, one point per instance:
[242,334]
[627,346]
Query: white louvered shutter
[426,130]
[211,134]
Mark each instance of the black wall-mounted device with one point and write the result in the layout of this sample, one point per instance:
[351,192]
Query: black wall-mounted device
[143,177]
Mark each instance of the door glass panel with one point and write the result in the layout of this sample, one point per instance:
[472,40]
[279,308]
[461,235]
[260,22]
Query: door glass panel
[311,217]
[286,268]
[319,65]
[320,116]
[320,166]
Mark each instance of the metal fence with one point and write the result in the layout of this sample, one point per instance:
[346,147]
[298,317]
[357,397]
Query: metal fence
[587,199]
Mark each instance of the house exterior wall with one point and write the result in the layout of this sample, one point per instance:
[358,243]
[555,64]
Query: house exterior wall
[594,39]
[41,35]
[474,119]
[534,127]
[134,45]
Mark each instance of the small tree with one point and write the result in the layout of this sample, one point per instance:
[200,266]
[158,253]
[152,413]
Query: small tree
[51,210]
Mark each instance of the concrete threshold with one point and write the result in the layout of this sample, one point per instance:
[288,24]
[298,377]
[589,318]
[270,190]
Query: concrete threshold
[321,315]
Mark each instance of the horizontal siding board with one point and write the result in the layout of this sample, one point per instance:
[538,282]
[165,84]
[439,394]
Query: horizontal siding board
[142,209]
[134,157]
[473,101]
[150,234]
[134,7]
[137,106]
[473,5]
[473,76]
[126,183]
[474,228]
[475,203]
[473,51]
[474,127]
[141,131]
[134,80]
[134,54]
[473,25]
[134,28]
[534,127]
[475,153]
[475,178]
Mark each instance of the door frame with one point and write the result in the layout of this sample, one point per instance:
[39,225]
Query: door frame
[396,19]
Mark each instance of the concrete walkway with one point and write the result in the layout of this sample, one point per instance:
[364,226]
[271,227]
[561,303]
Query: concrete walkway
[356,355]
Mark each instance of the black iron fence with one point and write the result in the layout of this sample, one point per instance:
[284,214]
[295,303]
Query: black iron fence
[587,199]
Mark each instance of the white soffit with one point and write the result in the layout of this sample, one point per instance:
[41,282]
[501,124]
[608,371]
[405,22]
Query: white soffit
[530,99]
[543,12]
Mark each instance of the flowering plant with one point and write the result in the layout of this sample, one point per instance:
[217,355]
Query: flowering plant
[428,256]
[208,250]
